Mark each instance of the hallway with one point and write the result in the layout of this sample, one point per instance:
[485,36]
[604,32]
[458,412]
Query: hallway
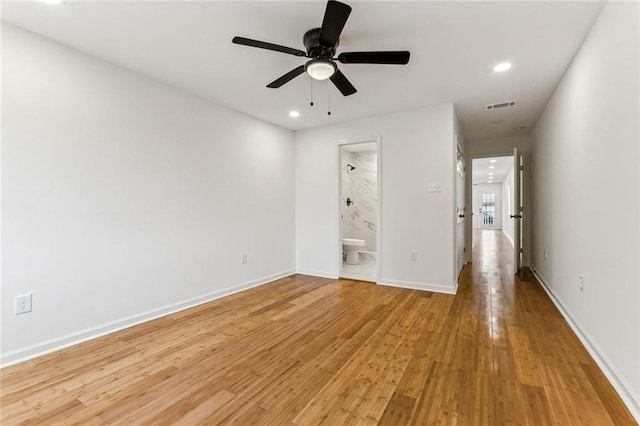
[540,373]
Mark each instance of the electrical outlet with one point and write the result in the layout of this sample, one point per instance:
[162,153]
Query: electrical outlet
[435,187]
[581,283]
[243,258]
[23,304]
[413,255]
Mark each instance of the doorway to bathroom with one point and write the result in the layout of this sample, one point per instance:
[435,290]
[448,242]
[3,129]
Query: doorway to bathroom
[359,195]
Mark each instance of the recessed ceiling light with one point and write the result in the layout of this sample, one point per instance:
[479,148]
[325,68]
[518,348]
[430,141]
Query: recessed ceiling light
[492,161]
[502,67]
[294,114]
[492,167]
[491,174]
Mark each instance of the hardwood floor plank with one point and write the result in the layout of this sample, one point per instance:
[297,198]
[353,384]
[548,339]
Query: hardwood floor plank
[398,410]
[537,408]
[342,384]
[202,412]
[525,361]
[607,395]
[570,408]
[307,350]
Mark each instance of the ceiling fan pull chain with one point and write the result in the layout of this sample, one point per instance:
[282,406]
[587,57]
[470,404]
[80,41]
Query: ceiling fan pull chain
[311,86]
[329,97]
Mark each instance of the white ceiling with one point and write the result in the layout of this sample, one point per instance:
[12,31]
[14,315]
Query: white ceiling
[483,167]
[454,46]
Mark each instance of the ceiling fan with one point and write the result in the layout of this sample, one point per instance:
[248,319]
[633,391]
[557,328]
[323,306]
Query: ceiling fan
[320,44]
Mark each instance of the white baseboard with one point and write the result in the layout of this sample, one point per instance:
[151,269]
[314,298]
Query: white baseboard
[626,392]
[358,277]
[317,274]
[24,354]
[436,288]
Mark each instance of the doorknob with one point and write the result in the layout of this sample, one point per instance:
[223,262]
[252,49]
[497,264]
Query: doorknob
[515,216]
[460,215]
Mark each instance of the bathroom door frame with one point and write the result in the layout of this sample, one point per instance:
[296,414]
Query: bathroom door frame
[340,145]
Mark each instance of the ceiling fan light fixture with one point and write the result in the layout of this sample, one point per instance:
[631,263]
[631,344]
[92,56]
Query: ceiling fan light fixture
[320,69]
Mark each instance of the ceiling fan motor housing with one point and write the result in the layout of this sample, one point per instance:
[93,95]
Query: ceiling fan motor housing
[314,49]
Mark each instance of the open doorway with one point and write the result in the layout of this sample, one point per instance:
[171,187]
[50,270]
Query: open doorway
[493,197]
[359,210]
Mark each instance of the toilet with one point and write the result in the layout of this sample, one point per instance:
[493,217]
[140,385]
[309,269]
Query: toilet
[351,246]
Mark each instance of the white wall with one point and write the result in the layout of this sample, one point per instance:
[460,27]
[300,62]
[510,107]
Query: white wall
[478,190]
[124,198]
[498,147]
[586,195]
[417,148]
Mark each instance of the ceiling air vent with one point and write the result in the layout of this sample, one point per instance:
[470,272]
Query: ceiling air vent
[506,104]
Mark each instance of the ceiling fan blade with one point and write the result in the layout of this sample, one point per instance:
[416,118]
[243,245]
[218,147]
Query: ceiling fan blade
[269,46]
[392,57]
[335,16]
[286,78]
[342,83]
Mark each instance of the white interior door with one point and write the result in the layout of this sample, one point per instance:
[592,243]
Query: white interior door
[460,211]
[518,167]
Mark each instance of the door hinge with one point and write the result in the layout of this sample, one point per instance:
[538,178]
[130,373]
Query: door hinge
[464,250]
[521,167]
[521,252]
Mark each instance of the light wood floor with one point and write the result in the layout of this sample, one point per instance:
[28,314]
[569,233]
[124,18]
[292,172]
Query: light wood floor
[310,351]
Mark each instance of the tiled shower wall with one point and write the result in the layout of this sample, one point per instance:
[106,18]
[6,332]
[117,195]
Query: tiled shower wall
[361,186]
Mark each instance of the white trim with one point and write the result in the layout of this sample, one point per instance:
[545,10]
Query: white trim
[358,277]
[24,354]
[625,391]
[320,274]
[435,288]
